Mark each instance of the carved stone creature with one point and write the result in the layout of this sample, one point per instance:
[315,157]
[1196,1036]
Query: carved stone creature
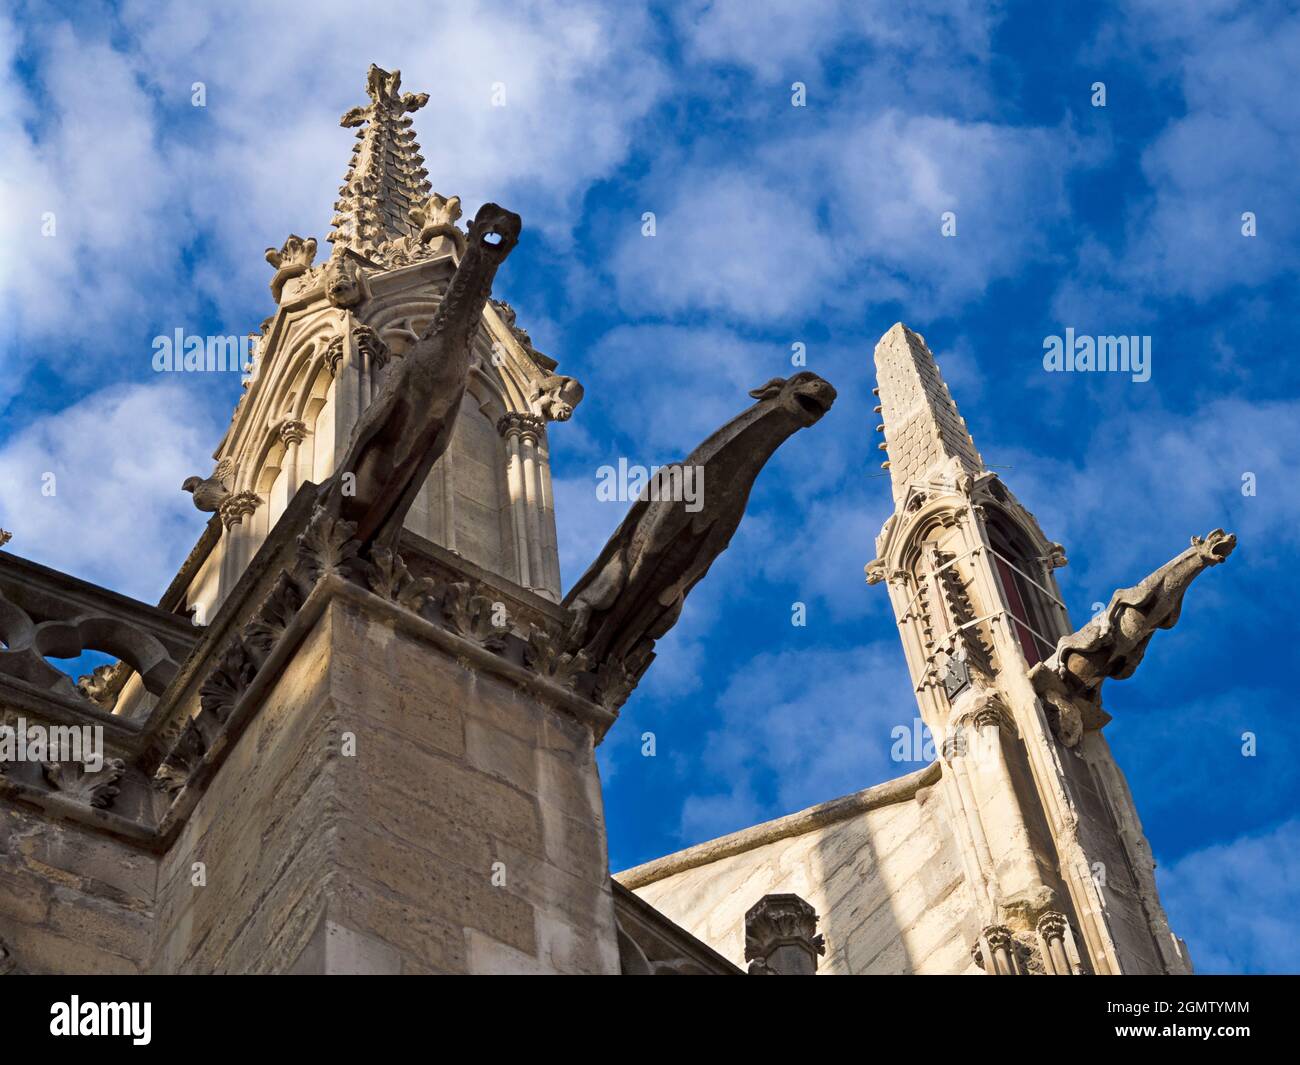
[210,492]
[555,397]
[634,591]
[342,285]
[437,217]
[409,423]
[292,260]
[1114,642]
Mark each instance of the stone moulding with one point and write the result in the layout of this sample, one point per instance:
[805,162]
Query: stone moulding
[886,794]
[235,660]
[329,565]
[333,588]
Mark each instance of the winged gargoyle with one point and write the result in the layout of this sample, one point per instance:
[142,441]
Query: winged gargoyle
[409,423]
[210,492]
[634,591]
[1113,643]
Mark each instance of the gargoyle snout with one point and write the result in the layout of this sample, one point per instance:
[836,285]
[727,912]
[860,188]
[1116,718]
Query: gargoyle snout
[495,230]
[812,394]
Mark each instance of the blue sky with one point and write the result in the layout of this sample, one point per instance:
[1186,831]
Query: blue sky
[775,225]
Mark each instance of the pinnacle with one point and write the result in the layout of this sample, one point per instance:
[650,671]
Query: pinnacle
[386,168]
[924,431]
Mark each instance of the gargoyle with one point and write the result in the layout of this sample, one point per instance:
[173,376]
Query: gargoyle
[409,423]
[436,217]
[634,591]
[555,396]
[210,492]
[1114,642]
[342,285]
[293,259]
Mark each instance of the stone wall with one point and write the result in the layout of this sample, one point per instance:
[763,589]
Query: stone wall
[72,900]
[464,833]
[881,869]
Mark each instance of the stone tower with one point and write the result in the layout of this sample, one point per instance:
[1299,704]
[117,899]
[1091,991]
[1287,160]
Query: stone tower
[1018,850]
[1049,831]
[321,755]
[320,357]
[357,733]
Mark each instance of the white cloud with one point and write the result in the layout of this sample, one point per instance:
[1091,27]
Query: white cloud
[118,516]
[1233,147]
[1235,903]
[783,40]
[101,131]
[811,724]
[816,220]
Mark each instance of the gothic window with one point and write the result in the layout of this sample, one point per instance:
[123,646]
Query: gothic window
[1033,614]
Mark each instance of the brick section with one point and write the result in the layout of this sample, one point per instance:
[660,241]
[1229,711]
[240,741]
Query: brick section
[923,429]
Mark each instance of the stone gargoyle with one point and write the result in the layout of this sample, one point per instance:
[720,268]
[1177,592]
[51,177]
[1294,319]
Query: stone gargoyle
[1114,642]
[409,423]
[634,591]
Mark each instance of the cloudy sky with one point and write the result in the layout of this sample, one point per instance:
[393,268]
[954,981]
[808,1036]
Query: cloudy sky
[775,225]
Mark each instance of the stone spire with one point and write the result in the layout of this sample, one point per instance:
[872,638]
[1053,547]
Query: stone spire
[386,177]
[924,433]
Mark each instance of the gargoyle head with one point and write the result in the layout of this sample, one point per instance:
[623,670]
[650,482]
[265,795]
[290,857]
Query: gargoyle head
[555,397]
[494,232]
[191,483]
[342,286]
[1216,546]
[805,395]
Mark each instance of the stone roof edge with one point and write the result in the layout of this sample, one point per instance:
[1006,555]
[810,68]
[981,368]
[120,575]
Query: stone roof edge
[796,824]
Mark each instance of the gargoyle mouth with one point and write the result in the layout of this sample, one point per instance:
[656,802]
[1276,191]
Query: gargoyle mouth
[811,404]
[495,230]
[814,398]
[1221,546]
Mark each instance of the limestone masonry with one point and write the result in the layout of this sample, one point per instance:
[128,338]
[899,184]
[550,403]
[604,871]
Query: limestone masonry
[357,732]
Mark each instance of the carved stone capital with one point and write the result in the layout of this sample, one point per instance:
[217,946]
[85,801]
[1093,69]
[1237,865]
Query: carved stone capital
[292,431]
[991,711]
[1052,925]
[1056,945]
[521,424]
[333,355]
[995,951]
[239,506]
[781,937]
[370,345]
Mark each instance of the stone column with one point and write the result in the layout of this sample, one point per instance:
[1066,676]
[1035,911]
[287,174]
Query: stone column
[528,441]
[781,937]
[1056,944]
[238,537]
[520,432]
[995,952]
[292,433]
[550,544]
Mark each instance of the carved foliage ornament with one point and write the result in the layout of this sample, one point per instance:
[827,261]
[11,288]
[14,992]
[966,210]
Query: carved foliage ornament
[95,788]
[328,548]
